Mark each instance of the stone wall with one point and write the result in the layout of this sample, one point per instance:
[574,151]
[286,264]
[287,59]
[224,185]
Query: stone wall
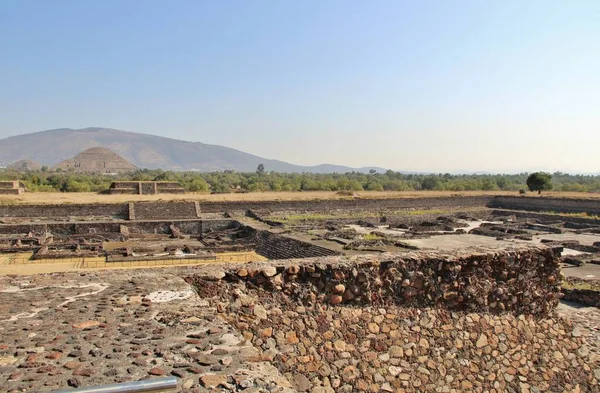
[219,225]
[560,205]
[145,187]
[11,191]
[349,204]
[582,291]
[549,217]
[521,280]
[374,325]
[111,210]
[189,227]
[10,187]
[165,210]
[274,246]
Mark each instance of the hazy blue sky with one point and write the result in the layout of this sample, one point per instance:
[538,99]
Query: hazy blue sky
[410,85]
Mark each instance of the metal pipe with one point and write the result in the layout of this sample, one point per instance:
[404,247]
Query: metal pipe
[150,385]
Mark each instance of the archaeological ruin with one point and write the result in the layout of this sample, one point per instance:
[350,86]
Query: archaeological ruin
[11,187]
[437,294]
[99,160]
[146,187]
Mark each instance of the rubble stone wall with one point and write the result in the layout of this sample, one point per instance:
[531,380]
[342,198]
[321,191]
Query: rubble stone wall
[113,210]
[165,210]
[522,280]
[582,291]
[11,191]
[561,205]
[549,217]
[350,204]
[375,325]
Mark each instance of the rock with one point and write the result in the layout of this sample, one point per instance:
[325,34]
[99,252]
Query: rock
[156,371]
[260,312]
[210,381]
[335,299]
[266,332]
[73,365]
[269,271]
[84,372]
[301,383]
[73,382]
[291,338]
[394,371]
[373,327]
[339,346]
[482,341]
[396,351]
[86,324]
[192,321]
[188,383]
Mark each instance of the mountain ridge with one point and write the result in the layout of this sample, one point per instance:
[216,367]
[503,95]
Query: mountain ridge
[51,147]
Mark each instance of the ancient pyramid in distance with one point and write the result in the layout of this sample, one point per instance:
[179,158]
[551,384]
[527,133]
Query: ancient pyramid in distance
[24,166]
[97,160]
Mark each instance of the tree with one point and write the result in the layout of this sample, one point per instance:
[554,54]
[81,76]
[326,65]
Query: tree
[539,181]
[372,171]
[260,169]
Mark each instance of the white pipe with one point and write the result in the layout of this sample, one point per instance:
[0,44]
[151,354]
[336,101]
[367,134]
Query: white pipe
[150,385]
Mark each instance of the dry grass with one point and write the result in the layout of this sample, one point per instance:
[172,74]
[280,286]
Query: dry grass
[89,197]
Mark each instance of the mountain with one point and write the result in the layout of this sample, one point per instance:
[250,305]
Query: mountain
[145,151]
[97,160]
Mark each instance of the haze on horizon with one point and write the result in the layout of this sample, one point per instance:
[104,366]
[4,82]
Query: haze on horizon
[419,86]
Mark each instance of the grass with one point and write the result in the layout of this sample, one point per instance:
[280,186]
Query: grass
[584,286]
[90,197]
[357,215]
[576,215]
[372,236]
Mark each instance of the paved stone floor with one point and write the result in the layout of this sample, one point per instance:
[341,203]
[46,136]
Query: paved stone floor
[83,329]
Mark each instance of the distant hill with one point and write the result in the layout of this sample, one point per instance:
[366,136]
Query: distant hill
[146,151]
[97,160]
[24,166]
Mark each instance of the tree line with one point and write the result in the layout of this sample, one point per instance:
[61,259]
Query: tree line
[263,180]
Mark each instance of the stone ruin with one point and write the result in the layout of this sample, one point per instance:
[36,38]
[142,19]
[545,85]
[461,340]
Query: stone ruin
[476,319]
[98,160]
[145,187]
[11,188]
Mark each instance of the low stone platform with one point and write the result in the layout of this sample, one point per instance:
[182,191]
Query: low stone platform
[288,326]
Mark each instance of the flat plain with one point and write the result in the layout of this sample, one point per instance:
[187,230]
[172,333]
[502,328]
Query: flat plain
[91,197]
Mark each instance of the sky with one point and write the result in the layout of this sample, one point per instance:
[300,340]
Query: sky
[442,86]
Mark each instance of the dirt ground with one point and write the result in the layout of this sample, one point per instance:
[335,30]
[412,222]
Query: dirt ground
[90,197]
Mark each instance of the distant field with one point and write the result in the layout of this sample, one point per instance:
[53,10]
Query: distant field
[89,197]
